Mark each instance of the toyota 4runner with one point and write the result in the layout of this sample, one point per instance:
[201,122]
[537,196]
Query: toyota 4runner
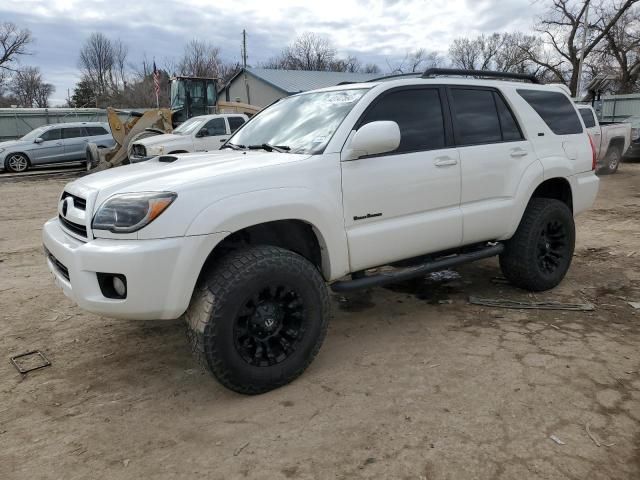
[419,173]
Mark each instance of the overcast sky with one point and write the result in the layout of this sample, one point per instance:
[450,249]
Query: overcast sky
[373,30]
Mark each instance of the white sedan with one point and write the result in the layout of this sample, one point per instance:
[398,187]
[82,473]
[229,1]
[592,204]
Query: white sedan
[198,134]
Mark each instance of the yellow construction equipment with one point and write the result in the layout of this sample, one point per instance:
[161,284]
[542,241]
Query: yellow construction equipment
[190,97]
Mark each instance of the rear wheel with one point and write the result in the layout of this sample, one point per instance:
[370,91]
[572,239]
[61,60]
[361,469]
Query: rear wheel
[538,256]
[16,163]
[611,161]
[258,318]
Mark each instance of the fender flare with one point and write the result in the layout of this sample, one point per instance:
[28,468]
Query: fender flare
[287,203]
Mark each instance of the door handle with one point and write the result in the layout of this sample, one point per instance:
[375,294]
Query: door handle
[223,140]
[519,153]
[445,161]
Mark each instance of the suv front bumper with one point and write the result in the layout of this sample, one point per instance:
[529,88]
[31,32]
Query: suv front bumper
[160,273]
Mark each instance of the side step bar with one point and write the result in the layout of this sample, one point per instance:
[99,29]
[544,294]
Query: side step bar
[417,270]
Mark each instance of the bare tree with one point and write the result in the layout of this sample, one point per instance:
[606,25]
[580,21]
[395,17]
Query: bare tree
[371,68]
[416,61]
[503,52]
[620,54]
[14,42]
[97,62]
[29,89]
[562,29]
[200,59]
[312,52]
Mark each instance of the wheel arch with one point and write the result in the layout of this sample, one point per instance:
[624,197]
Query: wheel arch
[558,188]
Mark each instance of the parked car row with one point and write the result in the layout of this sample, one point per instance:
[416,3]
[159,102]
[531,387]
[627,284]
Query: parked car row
[67,142]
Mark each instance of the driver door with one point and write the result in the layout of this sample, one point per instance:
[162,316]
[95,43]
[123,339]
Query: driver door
[404,203]
[51,149]
[211,136]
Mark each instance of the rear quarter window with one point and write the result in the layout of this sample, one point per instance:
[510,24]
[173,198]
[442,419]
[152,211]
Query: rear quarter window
[587,117]
[555,109]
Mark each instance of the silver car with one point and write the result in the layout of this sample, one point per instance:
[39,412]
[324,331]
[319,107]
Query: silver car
[62,142]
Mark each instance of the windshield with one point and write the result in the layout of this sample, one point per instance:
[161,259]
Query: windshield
[188,127]
[33,134]
[304,123]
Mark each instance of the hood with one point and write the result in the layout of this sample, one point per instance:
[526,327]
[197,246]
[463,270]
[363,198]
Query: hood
[162,139]
[188,171]
[14,143]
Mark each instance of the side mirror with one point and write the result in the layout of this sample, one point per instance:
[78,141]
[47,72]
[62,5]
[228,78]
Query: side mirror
[202,133]
[38,140]
[373,138]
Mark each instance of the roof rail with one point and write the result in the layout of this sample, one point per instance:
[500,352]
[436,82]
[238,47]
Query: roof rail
[431,72]
[395,75]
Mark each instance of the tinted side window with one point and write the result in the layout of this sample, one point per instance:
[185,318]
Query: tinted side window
[96,131]
[72,132]
[215,127]
[53,134]
[476,116]
[235,123]
[587,117]
[510,129]
[417,112]
[555,109]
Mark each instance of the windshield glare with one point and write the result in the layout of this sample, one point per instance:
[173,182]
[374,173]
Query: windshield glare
[33,134]
[305,123]
[188,127]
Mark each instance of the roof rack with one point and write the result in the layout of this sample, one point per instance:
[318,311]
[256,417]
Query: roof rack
[432,72]
[395,75]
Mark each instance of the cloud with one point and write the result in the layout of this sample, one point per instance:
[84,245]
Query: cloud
[373,30]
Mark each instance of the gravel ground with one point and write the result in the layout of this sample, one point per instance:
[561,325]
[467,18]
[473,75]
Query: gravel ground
[413,382]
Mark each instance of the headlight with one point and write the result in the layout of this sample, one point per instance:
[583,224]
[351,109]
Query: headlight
[156,150]
[635,133]
[129,212]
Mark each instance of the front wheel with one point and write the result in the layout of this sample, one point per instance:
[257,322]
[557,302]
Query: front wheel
[538,256]
[16,163]
[258,318]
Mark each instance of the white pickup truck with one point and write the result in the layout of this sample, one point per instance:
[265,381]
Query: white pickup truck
[198,134]
[611,139]
[418,173]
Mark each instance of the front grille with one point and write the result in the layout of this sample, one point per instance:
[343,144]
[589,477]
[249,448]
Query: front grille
[79,203]
[74,227]
[139,150]
[64,271]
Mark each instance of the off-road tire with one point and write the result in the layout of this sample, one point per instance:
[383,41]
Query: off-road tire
[611,161]
[93,157]
[521,263]
[217,302]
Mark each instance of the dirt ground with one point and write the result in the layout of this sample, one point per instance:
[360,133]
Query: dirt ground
[413,382]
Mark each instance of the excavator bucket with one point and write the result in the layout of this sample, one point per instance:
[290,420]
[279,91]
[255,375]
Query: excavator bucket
[156,120]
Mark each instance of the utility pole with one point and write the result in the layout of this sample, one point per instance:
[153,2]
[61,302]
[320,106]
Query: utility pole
[244,49]
[584,44]
[244,64]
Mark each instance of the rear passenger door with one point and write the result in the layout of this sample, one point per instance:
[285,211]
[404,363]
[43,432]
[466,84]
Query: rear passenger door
[494,156]
[75,143]
[404,203]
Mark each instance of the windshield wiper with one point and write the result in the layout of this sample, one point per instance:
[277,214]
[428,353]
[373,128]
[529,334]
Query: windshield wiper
[233,146]
[270,148]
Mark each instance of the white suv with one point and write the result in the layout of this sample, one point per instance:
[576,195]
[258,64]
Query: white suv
[420,173]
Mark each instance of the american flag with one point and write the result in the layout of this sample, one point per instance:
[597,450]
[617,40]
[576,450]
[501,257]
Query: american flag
[156,83]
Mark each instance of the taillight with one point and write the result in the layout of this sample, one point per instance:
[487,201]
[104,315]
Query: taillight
[593,152]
